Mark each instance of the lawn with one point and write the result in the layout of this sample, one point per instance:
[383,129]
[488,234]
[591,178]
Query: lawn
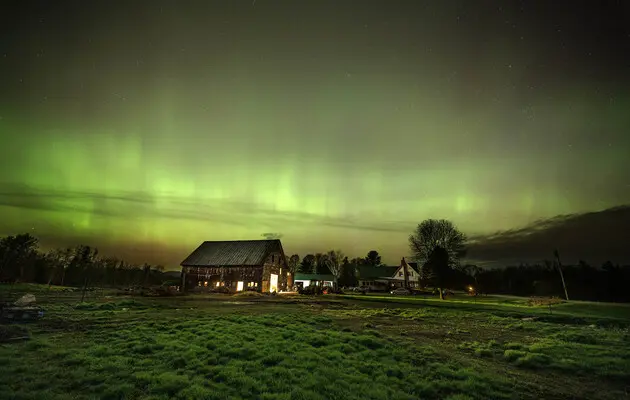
[226,347]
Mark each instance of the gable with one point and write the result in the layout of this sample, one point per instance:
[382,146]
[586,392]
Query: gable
[413,274]
[234,253]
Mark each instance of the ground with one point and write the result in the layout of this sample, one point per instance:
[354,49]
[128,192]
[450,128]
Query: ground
[341,347]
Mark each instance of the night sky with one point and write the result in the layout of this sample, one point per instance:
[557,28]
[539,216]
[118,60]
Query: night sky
[146,127]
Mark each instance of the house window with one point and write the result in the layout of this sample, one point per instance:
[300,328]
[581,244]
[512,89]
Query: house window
[411,274]
[280,271]
[400,274]
[205,283]
[273,258]
[218,283]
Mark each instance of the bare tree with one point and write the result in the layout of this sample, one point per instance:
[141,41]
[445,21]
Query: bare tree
[334,261]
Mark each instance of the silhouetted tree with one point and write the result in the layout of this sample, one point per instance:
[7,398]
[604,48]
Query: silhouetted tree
[16,251]
[308,264]
[431,234]
[348,273]
[373,258]
[473,271]
[321,265]
[358,261]
[293,263]
[437,269]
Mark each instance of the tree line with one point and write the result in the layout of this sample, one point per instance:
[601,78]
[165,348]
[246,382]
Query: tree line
[606,282]
[22,260]
[334,263]
[436,245]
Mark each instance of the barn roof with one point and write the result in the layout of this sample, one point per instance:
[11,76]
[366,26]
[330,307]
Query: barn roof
[232,253]
[374,272]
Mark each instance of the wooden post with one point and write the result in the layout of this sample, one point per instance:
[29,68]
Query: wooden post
[566,294]
[84,289]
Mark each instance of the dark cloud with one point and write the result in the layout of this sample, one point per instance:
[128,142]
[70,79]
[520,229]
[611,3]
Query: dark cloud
[594,237]
[129,205]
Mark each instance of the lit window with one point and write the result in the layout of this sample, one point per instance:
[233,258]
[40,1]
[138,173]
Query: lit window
[205,283]
[218,283]
[280,271]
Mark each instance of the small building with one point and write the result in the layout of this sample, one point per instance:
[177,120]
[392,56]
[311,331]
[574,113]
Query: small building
[321,280]
[238,265]
[385,278]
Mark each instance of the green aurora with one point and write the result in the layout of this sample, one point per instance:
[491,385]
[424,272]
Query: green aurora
[146,145]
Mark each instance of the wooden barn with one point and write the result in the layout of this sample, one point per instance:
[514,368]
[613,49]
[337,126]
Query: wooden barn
[238,265]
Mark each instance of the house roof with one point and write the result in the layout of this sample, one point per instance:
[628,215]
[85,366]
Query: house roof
[373,272]
[232,253]
[314,277]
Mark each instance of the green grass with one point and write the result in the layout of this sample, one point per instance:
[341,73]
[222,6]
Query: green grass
[226,347]
[591,312]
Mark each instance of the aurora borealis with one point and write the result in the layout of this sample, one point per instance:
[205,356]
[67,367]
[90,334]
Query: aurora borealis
[146,128]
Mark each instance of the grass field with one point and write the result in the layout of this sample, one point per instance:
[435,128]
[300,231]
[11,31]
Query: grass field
[341,347]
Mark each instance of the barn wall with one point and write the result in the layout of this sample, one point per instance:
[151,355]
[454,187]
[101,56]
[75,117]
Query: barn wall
[229,276]
[275,264]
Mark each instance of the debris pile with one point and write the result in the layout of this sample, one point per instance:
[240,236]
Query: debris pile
[24,309]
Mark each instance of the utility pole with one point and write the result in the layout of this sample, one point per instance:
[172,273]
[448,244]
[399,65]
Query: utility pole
[564,285]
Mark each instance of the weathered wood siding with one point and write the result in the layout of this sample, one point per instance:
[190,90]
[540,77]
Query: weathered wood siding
[274,264]
[228,275]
